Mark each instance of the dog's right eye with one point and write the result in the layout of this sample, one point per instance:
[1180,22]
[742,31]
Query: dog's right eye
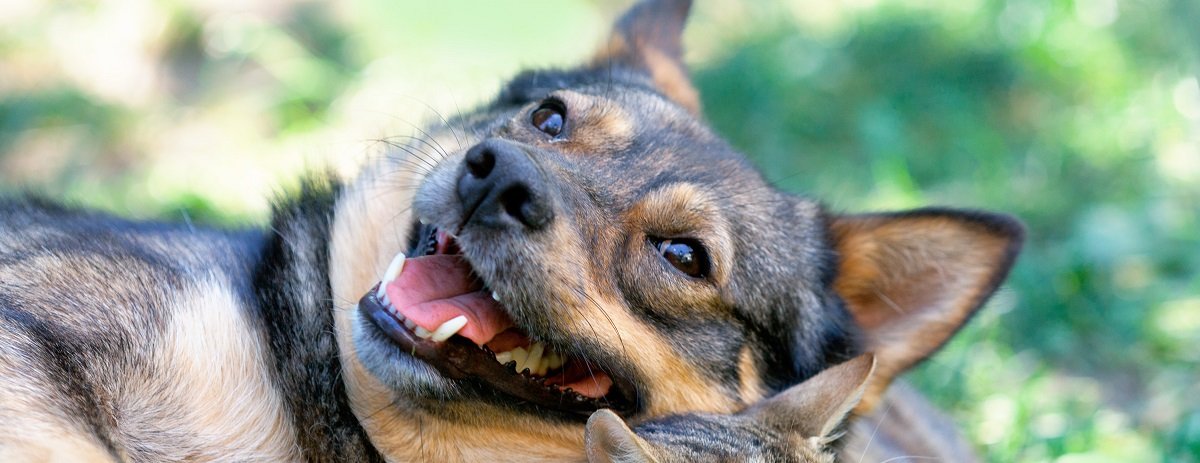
[549,118]
[685,254]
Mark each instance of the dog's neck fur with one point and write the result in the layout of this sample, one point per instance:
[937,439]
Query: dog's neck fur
[298,321]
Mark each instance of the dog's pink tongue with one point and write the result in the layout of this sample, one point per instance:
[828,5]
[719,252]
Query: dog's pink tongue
[432,290]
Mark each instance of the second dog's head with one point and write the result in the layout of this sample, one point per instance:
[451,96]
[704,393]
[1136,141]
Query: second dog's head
[585,241]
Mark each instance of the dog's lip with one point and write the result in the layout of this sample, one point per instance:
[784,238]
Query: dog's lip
[459,358]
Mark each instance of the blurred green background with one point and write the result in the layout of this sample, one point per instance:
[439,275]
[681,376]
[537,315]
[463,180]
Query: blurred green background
[1082,117]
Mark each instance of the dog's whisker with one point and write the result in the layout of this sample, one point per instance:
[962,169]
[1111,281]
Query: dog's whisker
[412,151]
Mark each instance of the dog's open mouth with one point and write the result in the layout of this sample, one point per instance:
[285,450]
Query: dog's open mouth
[434,307]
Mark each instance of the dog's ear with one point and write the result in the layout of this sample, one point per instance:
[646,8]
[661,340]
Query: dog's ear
[609,440]
[649,37]
[817,406]
[912,279]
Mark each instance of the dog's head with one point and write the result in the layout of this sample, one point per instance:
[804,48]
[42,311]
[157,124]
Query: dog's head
[585,241]
[794,426]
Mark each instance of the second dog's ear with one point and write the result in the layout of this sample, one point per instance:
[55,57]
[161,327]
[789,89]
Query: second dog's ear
[912,279]
[649,37]
[817,406]
[609,440]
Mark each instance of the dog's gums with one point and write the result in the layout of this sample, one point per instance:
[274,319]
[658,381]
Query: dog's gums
[433,306]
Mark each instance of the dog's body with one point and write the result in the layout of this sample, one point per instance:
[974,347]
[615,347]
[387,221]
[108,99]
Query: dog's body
[153,342]
[627,248]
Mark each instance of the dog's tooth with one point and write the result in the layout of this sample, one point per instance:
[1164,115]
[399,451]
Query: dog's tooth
[392,272]
[504,357]
[520,355]
[385,301]
[534,361]
[449,328]
[422,333]
[553,360]
[495,296]
[409,324]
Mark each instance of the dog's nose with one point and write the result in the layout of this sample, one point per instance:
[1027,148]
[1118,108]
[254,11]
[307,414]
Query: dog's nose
[500,186]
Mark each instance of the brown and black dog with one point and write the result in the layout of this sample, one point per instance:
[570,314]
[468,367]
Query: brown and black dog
[582,242]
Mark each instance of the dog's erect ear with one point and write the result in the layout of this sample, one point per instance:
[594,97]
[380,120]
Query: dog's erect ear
[649,37]
[817,406]
[609,440]
[912,279]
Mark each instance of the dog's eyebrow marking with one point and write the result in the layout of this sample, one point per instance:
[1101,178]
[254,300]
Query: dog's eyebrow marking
[686,209]
[597,123]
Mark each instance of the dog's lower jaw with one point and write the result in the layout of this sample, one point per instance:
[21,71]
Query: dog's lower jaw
[403,431]
[402,373]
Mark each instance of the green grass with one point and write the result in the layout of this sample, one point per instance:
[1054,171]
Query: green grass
[1080,117]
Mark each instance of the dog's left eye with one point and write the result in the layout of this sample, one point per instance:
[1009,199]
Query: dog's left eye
[549,118]
[685,254]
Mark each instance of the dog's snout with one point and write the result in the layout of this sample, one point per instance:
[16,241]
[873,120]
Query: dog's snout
[500,186]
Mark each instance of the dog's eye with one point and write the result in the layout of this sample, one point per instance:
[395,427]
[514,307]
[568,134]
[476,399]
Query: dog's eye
[685,254]
[549,118]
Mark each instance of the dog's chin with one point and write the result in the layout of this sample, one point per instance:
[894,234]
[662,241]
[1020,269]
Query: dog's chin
[490,359]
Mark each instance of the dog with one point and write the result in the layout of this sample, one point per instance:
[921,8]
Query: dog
[582,242]
[793,426]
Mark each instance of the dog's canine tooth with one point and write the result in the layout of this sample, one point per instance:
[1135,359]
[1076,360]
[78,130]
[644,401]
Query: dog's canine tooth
[495,296]
[504,357]
[520,355]
[449,328]
[385,301]
[422,333]
[534,360]
[392,272]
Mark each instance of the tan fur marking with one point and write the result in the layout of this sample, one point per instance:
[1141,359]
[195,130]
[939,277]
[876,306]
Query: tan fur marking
[672,80]
[597,124]
[677,385]
[48,444]
[33,430]
[668,74]
[207,395]
[751,387]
